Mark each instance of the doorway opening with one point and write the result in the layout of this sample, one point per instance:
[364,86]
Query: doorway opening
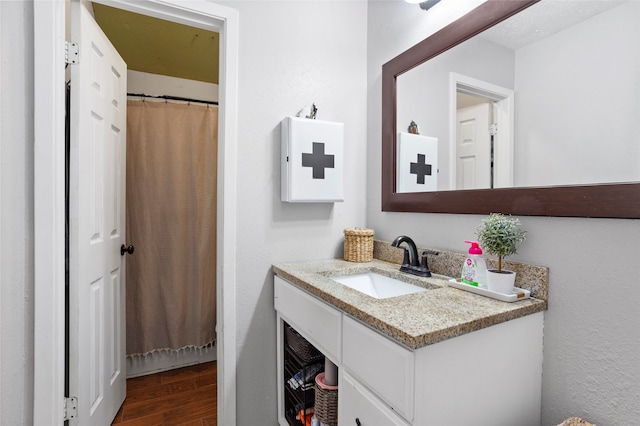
[172,104]
[475,140]
[499,104]
[51,20]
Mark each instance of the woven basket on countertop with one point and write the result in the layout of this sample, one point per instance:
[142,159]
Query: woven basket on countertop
[358,244]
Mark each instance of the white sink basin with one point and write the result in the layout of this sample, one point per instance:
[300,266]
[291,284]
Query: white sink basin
[378,286]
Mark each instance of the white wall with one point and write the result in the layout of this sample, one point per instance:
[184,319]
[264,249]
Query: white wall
[292,53]
[555,81]
[16,213]
[591,335]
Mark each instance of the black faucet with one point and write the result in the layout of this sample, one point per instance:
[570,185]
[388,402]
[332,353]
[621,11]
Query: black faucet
[411,264]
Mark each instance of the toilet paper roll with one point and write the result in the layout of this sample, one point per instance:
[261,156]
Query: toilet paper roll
[330,373]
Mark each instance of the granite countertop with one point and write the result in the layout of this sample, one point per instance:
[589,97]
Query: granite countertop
[414,320]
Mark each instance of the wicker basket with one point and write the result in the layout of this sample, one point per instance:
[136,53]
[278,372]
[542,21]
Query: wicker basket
[305,350]
[326,405]
[358,245]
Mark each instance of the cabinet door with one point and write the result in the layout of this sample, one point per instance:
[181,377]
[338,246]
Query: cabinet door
[316,321]
[358,407]
[383,365]
[494,373]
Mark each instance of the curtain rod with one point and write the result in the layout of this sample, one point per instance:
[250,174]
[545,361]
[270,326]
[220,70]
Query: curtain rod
[173,98]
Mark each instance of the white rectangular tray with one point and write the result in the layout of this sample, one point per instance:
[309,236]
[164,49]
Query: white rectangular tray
[518,293]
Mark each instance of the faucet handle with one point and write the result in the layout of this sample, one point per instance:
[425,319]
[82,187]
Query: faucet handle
[424,264]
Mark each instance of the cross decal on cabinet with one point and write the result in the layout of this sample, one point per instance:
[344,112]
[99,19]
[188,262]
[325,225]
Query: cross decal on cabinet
[421,168]
[312,160]
[318,160]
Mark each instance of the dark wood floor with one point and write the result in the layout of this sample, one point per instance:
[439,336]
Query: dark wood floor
[185,396]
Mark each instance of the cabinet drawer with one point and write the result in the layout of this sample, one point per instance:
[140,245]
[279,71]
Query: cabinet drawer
[358,406]
[383,365]
[316,321]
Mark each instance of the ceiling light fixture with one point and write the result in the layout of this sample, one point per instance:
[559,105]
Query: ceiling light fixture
[424,5]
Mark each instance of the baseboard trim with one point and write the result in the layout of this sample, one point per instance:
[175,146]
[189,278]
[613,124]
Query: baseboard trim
[168,359]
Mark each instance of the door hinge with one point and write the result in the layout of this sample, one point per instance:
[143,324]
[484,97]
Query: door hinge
[71,52]
[70,408]
[493,129]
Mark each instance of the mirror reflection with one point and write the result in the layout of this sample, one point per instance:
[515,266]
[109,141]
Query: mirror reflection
[548,97]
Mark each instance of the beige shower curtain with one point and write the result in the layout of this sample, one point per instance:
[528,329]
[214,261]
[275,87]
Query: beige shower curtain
[171,221]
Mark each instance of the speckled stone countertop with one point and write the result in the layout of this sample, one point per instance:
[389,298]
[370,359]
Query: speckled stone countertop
[414,320]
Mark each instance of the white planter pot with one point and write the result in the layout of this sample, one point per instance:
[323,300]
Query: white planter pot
[501,282]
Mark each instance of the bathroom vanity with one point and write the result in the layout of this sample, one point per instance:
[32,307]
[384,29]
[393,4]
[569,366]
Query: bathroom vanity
[438,357]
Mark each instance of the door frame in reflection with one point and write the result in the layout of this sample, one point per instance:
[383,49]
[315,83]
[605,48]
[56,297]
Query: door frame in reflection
[504,114]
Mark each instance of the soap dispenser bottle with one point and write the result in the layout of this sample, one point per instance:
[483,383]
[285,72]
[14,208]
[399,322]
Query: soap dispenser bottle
[474,269]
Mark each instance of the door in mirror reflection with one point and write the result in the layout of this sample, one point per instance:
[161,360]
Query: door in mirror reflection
[474,147]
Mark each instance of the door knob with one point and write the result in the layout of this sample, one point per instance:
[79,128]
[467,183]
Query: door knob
[124,249]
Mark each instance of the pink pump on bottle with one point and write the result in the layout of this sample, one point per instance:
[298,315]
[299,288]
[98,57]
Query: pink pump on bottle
[474,268]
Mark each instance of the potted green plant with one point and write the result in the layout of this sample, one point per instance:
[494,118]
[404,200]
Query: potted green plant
[501,236]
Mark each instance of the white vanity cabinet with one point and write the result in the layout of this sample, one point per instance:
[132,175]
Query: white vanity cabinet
[492,376]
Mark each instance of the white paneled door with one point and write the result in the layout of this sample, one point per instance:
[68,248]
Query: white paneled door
[473,147]
[96,224]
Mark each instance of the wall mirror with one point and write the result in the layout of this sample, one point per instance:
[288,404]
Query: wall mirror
[567,141]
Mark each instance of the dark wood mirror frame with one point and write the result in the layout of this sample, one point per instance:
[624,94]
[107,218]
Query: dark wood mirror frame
[601,200]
